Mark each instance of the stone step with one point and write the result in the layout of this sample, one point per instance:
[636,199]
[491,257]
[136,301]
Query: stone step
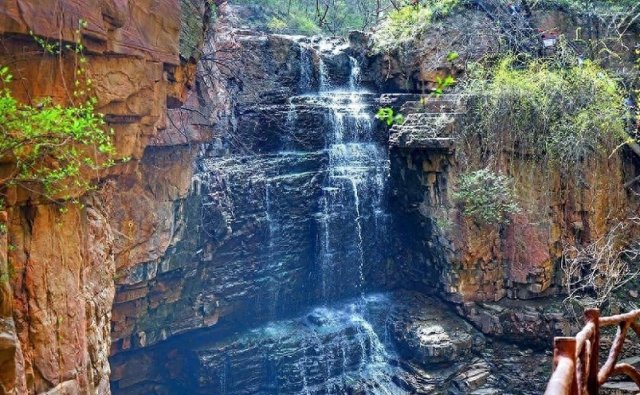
[415,103]
[427,143]
[424,131]
[434,105]
[619,388]
[429,118]
[431,125]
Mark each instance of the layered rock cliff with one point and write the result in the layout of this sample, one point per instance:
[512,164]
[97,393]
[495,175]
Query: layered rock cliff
[262,238]
[506,279]
[259,234]
[287,210]
[59,262]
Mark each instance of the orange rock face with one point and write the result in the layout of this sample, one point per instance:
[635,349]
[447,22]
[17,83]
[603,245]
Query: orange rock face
[144,28]
[132,53]
[520,260]
[62,270]
[57,265]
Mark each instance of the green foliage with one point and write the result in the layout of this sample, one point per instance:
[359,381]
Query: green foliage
[486,197]
[388,116]
[341,16]
[586,5]
[452,56]
[213,9]
[56,146]
[410,22]
[277,25]
[299,24]
[443,83]
[561,112]
[303,17]
[6,276]
[52,48]
[442,222]
[303,24]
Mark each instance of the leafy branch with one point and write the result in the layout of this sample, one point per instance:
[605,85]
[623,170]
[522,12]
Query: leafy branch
[56,146]
[388,116]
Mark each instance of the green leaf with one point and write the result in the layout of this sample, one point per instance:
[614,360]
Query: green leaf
[451,56]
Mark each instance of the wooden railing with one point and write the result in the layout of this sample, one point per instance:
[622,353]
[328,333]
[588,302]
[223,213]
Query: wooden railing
[576,368]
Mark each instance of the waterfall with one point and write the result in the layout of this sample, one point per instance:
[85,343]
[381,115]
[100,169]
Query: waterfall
[356,178]
[306,69]
[352,200]
[325,82]
[354,76]
[320,197]
[291,123]
[352,214]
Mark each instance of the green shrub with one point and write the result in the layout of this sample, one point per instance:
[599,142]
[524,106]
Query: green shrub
[58,147]
[302,24]
[486,197]
[388,116]
[51,144]
[410,22]
[560,112]
[277,25]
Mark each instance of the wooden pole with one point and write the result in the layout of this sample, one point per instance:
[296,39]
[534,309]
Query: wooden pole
[593,315]
[563,380]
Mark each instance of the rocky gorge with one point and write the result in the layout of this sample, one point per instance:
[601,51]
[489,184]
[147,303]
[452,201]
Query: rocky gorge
[269,235]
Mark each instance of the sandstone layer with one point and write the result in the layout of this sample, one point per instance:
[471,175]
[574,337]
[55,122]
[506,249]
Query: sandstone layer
[59,261]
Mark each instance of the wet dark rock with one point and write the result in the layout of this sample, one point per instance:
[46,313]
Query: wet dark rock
[296,203]
[427,333]
[359,41]
[348,348]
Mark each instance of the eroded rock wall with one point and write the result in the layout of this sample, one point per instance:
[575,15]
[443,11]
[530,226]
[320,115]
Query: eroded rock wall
[58,280]
[506,279]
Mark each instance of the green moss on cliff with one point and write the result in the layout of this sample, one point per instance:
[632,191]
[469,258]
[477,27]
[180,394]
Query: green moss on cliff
[194,15]
[559,111]
[408,23]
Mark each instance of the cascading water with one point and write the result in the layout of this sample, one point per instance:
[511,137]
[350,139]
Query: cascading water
[351,201]
[332,350]
[323,194]
[352,212]
[306,69]
[353,194]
